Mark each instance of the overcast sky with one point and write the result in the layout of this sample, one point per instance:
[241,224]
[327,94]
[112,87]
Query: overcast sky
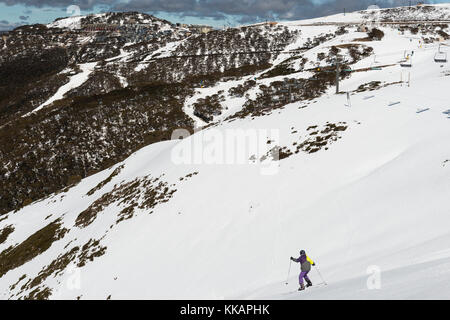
[213,12]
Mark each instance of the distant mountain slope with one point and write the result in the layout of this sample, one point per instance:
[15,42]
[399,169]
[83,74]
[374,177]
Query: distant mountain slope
[128,87]
[421,13]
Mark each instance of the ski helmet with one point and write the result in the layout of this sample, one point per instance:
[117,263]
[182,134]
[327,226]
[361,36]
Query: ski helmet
[302,252]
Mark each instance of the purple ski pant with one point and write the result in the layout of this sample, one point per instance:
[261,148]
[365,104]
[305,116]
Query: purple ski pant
[303,274]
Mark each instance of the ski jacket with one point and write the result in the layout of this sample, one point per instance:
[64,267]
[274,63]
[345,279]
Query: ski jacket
[305,262]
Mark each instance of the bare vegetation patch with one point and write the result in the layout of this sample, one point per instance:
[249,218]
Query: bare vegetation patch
[90,251]
[106,181]
[285,68]
[30,248]
[54,268]
[143,193]
[277,153]
[5,232]
[209,107]
[240,90]
[374,85]
[41,293]
[320,139]
[13,286]
[280,93]
[425,29]
[87,253]
[315,140]
[376,34]
[371,86]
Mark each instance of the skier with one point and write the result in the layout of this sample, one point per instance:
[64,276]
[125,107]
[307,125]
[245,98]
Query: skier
[305,265]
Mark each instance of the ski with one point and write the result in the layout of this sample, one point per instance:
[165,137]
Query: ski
[320,285]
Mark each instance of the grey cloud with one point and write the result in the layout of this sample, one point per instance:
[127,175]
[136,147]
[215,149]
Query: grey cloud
[245,10]
[214,8]
[250,10]
[83,4]
[6,25]
[24,17]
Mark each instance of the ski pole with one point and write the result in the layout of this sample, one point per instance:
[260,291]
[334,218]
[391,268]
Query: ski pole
[289,271]
[320,275]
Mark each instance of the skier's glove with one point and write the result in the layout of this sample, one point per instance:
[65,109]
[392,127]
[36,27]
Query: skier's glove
[292,258]
[314,264]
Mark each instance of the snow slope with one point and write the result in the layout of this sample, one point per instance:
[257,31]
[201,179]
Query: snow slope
[73,22]
[376,199]
[437,12]
[74,82]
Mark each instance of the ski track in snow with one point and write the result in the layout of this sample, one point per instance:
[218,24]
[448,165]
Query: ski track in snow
[74,82]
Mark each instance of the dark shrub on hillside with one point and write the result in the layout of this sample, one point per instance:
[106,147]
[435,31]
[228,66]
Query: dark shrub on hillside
[376,34]
[443,34]
[29,67]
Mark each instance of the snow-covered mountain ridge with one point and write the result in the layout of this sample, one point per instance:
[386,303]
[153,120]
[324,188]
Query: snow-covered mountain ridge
[361,184]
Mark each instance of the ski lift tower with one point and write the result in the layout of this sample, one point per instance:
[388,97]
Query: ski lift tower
[338,71]
[289,88]
[407,63]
